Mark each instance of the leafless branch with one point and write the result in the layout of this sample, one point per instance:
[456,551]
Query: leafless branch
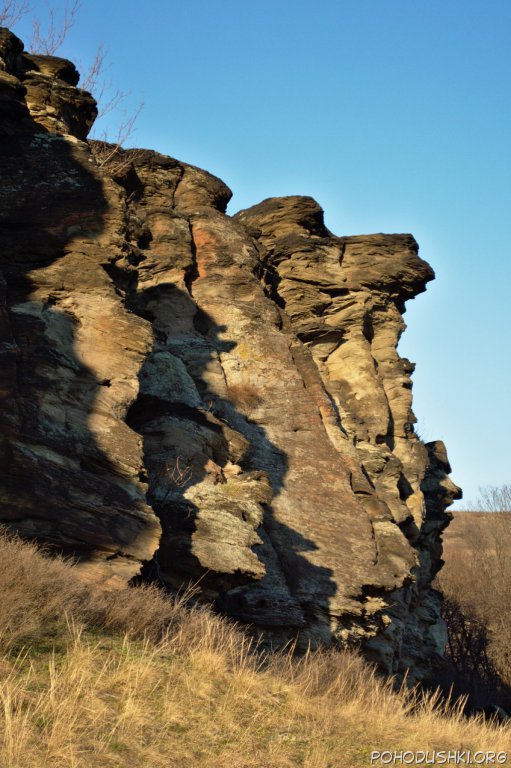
[94,80]
[48,41]
[178,474]
[107,151]
[12,11]
[494,498]
[91,78]
[107,154]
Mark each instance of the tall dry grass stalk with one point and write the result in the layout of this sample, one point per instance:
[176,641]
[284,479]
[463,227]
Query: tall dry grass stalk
[187,688]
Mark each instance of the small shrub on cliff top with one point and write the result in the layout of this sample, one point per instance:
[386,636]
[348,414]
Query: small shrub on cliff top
[50,31]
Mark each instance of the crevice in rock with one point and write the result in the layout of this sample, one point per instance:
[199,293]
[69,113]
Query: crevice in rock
[180,179]
[192,271]
[271,280]
[312,379]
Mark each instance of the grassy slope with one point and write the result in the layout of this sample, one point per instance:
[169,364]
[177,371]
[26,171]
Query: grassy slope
[80,686]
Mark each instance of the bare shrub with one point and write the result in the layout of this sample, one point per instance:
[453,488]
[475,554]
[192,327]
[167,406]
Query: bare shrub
[111,155]
[244,396]
[49,36]
[469,672]
[177,473]
[12,11]
[476,582]
[467,641]
[492,498]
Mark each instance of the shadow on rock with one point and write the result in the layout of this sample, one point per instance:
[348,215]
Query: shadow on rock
[213,495]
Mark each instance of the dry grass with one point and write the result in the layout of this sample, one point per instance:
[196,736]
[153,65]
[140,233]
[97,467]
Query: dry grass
[244,396]
[40,593]
[81,695]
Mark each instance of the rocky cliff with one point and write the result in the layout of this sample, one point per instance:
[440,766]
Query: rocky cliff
[207,397]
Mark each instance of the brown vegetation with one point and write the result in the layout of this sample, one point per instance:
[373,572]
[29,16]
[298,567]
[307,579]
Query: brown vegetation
[135,678]
[476,582]
[40,594]
[244,396]
[111,155]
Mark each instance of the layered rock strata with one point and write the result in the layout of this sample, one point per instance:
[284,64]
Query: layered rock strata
[209,398]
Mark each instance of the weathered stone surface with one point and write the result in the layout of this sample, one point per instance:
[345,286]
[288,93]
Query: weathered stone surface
[71,351]
[344,298]
[219,396]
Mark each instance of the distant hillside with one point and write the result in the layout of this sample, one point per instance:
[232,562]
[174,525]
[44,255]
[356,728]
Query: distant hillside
[465,529]
[476,582]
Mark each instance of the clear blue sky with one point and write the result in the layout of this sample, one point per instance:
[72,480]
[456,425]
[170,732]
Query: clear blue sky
[394,114]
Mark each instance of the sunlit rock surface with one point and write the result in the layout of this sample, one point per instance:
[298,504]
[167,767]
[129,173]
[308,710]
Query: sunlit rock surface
[209,398]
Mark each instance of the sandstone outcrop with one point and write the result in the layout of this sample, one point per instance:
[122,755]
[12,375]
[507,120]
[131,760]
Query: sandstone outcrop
[206,397]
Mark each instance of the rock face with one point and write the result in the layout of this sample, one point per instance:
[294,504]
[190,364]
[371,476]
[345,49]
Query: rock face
[214,398]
